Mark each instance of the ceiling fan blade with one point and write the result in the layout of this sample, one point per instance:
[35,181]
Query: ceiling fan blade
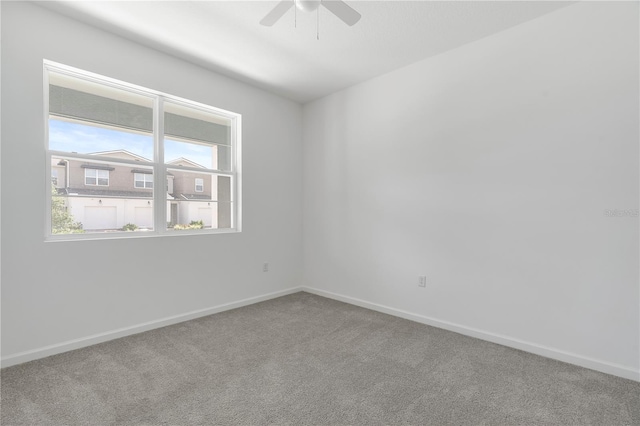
[277,13]
[342,11]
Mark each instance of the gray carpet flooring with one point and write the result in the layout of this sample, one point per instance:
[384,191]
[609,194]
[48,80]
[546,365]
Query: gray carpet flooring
[307,360]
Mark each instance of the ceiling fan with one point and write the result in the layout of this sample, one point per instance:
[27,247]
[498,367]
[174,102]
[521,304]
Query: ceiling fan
[339,8]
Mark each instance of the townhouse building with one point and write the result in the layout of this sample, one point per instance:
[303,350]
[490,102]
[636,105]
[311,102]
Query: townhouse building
[106,195]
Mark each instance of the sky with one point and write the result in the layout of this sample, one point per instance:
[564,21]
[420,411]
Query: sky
[74,137]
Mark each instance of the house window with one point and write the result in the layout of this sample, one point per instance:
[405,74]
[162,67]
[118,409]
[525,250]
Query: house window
[103,131]
[96,177]
[199,185]
[142,180]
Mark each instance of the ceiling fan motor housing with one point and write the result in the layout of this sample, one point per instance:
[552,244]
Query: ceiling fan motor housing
[338,7]
[307,5]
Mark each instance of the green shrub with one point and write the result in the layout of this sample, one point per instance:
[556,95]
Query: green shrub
[195,224]
[62,222]
[130,227]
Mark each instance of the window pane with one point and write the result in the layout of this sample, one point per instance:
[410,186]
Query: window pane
[197,137]
[190,208]
[83,138]
[91,118]
[79,205]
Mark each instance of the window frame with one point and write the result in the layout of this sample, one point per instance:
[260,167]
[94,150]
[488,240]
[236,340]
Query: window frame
[144,180]
[97,177]
[201,185]
[158,166]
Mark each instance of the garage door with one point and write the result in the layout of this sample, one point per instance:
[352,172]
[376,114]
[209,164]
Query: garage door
[99,217]
[204,214]
[144,217]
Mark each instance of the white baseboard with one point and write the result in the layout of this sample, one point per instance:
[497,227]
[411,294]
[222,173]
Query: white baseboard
[70,345]
[594,364]
[571,358]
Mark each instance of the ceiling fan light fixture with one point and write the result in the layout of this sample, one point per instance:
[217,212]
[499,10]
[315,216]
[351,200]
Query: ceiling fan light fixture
[339,8]
[307,5]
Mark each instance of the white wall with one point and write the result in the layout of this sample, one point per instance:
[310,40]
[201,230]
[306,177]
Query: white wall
[57,292]
[488,169]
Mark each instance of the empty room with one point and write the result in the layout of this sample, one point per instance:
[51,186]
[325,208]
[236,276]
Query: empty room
[320,212]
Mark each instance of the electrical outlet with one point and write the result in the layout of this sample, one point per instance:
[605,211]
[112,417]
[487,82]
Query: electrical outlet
[422,281]
[265,267]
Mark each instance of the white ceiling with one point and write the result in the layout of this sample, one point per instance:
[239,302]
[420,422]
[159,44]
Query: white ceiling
[225,36]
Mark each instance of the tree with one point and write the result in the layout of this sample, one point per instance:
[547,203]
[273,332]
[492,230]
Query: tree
[62,222]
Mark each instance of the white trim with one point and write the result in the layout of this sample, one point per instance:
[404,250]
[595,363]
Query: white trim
[571,358]
[159,167]
[94,236]
[82,342]
[548,352]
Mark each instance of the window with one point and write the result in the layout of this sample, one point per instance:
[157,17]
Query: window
[96,177]
[199,185]
[101,131]
[142,180]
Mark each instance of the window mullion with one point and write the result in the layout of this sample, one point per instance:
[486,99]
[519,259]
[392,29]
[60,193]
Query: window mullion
[159,169]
